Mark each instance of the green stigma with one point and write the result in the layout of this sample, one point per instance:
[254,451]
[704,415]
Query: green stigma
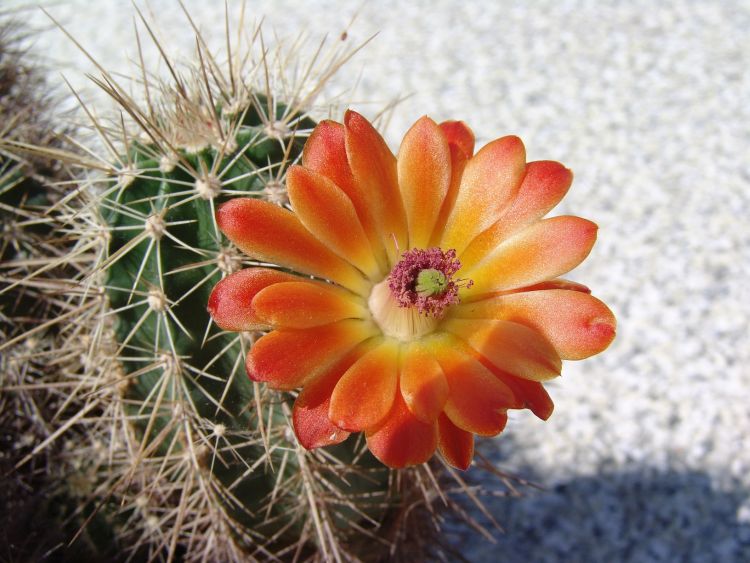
[431,282]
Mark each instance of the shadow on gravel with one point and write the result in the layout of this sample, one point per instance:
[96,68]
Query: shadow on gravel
[618,517]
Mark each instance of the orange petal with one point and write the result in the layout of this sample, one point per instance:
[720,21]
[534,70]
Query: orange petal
[478,400]
[230,303]
[543,186]
[459,134]
[577,324]
[327,212]
[545,250]
[270,233]
[402,439]
[365,393]
[455,445]
[305,304]
[458,162]
[287,358]
[533,394]
[312,427]
[511,347]
[489,183]
[423,384]
[424,174]
[558,283]
[310,413]
[374,169]
[325,153]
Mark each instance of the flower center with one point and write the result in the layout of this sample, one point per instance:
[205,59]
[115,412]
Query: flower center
[423,279]
[410,302]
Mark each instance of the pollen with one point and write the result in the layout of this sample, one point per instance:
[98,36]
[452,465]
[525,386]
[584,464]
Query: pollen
[413,299]
[424,280]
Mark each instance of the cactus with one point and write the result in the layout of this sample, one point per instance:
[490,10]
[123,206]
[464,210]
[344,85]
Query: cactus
[35,496]
[165,449]
[183,380]
[25,117]
[184,457]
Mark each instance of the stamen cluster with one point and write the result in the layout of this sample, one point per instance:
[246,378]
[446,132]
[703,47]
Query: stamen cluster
[404,279]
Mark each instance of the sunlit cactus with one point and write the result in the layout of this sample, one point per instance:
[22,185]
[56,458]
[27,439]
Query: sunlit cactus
[182,380]
[163,441]
[153,434]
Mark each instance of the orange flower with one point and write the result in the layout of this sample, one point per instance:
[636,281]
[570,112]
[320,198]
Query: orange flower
[436,304]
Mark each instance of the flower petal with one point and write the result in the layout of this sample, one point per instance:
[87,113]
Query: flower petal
[511,347]
[478,400]
[402,439]
[364,395]
[310,412]
[374,169]
[533,394]
[455,445]
[270,233]
[327,212]
[489,183]
[230,303]
[544,185]
[459,134]
[557,283]
[424,174]
[577,324]
[545,250]
[288,358]
[458,163]
[325,153]
[312,427]
[423,384]
[305,304]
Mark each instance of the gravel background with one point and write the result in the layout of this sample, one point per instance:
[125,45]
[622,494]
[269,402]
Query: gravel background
[647,457]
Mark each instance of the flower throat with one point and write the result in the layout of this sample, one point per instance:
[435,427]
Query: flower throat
[413,298]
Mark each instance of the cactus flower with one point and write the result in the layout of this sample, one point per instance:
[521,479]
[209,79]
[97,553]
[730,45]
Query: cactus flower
[428,301]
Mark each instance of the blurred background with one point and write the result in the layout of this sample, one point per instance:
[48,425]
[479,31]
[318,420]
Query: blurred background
[647,456]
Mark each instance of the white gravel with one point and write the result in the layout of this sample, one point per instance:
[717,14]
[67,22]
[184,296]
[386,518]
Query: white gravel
[647,456]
